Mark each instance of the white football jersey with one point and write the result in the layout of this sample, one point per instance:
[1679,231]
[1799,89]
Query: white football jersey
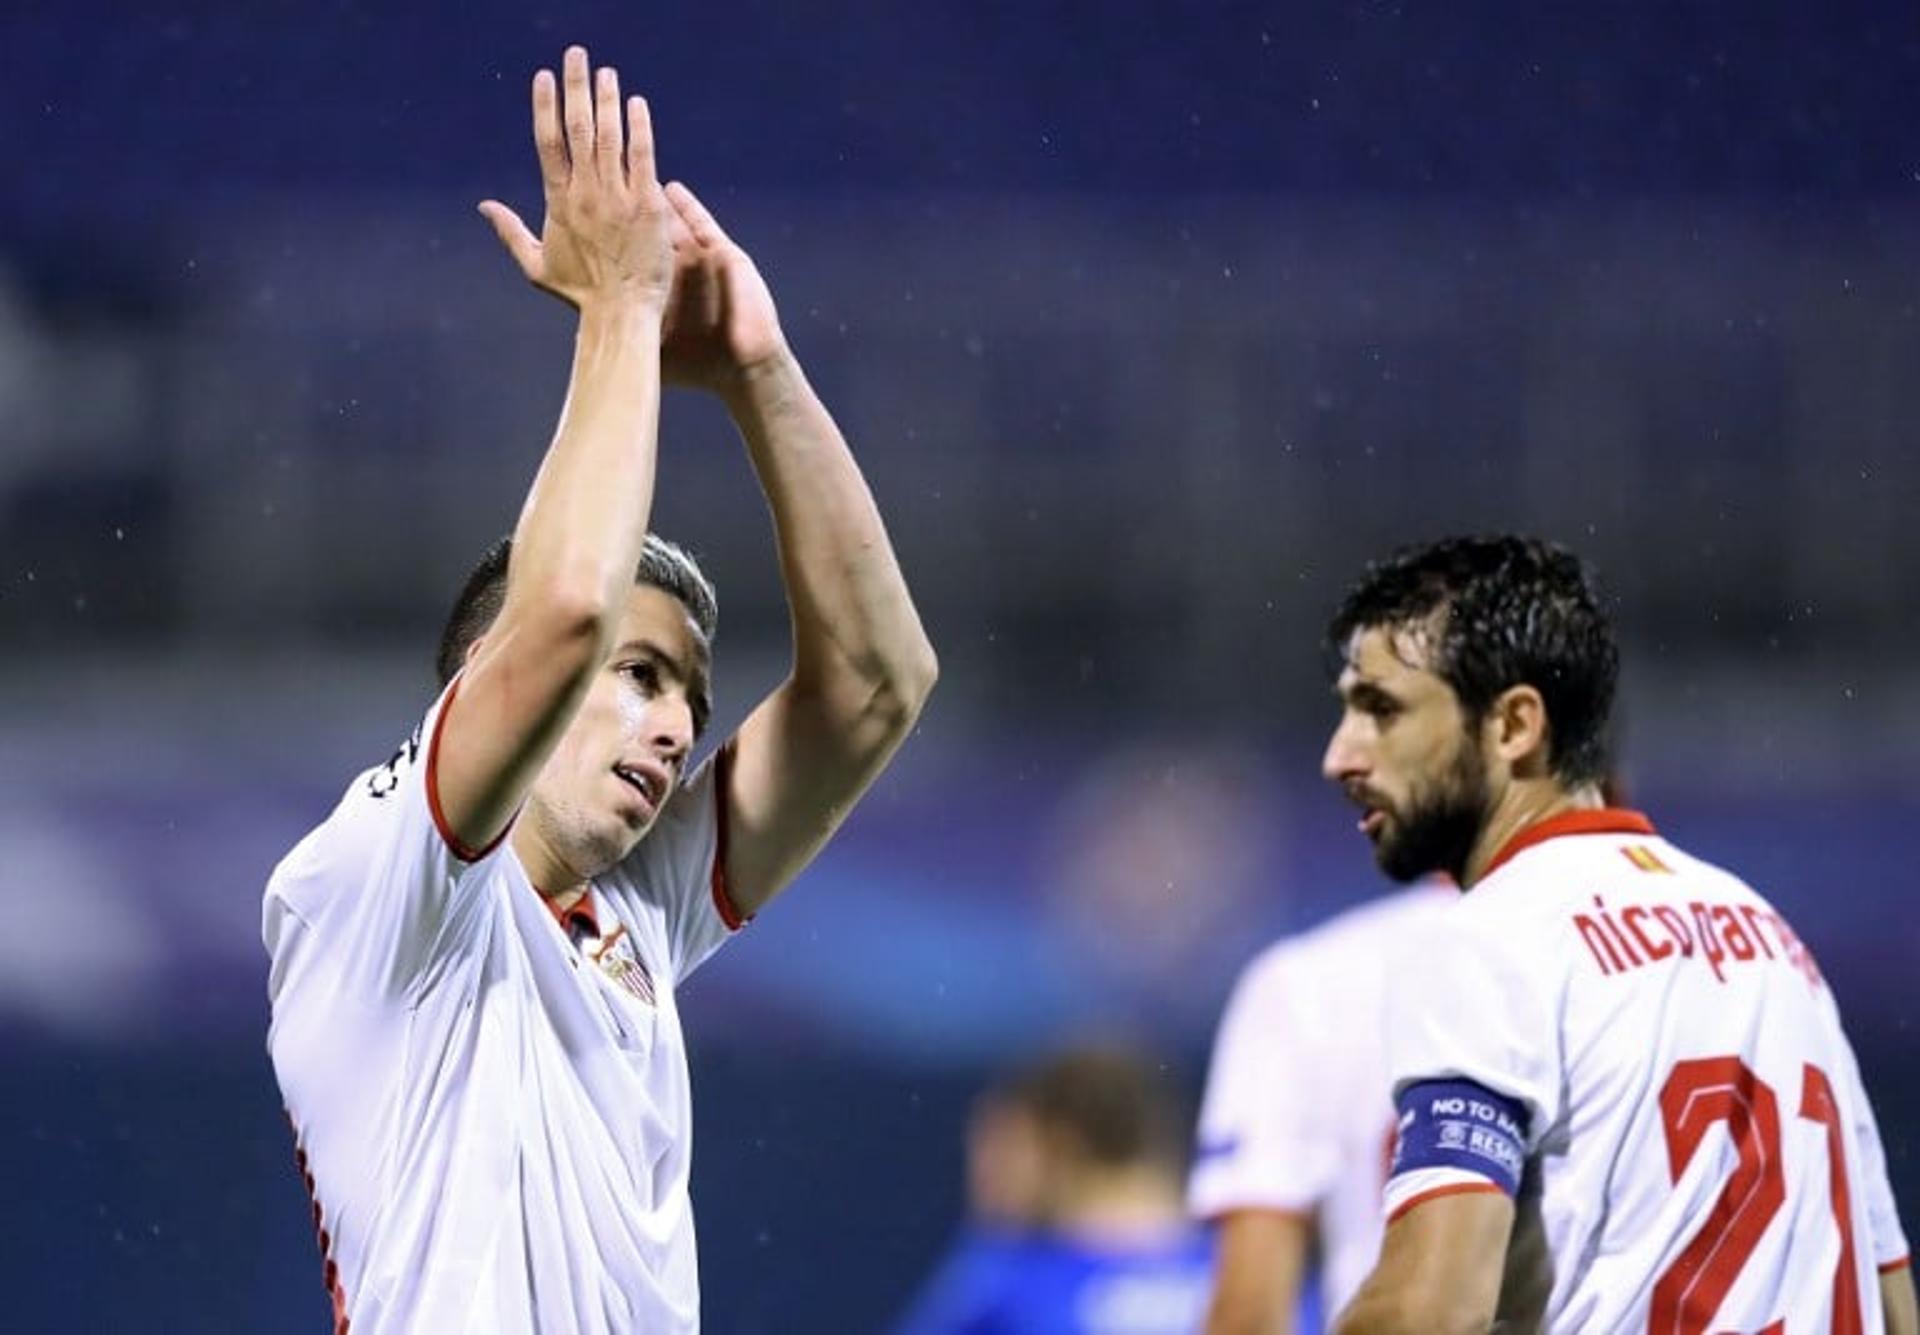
[1639,1042]
[1298,1113]
[491,1107]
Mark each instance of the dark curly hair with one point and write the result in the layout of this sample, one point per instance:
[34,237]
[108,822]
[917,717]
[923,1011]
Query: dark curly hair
[1502,611]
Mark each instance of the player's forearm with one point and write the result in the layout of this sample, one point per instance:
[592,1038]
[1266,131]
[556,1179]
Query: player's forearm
[1249,1314]
[1897,1300]
[1381,1310]
[1426,1281]
[858,643]
[1262,1259]
[1372,1313]
[579,536]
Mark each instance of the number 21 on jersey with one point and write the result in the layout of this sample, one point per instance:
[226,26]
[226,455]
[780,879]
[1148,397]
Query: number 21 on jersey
[1698,1094]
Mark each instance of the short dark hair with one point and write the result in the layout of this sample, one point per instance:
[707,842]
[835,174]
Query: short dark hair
[1111,1101]
[663,565]
[1505,611]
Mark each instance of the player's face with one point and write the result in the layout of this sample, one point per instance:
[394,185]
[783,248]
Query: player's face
[1403,752]
[1006,1165]
[623,754]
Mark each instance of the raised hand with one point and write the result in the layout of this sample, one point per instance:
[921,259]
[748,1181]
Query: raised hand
[606,237]
[721,324]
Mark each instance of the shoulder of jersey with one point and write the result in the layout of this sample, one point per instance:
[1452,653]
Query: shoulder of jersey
[1365,929]
[1604,856]
[358,815]
[1398,914]
[1585,864]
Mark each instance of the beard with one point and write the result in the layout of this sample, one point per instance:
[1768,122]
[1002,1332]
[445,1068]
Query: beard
[1441,824]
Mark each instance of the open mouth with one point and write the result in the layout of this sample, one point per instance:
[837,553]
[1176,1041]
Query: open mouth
[650,786]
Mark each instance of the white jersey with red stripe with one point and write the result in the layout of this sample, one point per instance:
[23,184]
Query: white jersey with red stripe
[1298,1113]
[491,1107]
[1640,1045]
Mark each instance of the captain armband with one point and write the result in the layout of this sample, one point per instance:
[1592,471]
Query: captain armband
[1462,1125]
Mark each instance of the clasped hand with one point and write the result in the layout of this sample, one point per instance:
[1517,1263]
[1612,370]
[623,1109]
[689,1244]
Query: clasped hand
[613,236]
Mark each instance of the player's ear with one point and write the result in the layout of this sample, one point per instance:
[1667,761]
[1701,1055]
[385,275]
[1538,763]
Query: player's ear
[473,648]
[1520,733]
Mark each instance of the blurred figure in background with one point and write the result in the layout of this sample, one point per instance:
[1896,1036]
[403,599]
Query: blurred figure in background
[1296,1129]
[1075,1221]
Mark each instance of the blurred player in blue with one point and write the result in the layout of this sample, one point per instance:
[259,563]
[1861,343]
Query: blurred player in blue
[1077,1223]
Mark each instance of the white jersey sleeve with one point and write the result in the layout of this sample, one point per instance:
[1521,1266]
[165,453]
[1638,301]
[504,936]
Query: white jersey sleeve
[1473,1044]
[1267,1137]
[382,880]
[1889,1248]
[679,869]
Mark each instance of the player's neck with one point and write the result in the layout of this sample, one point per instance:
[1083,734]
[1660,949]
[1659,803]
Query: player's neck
[1523,804]
[545,869]
[1122,1209]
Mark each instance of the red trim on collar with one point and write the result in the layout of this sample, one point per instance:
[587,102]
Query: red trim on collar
[1606,820]
[582,914]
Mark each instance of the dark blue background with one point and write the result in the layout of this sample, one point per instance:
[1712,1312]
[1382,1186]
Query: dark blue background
[1149,322]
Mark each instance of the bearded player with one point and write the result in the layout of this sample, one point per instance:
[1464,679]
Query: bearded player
[1625,1100]
[475,959]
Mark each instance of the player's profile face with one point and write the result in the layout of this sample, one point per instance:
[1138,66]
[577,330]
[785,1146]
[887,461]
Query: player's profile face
[1404,754]
[624,752]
